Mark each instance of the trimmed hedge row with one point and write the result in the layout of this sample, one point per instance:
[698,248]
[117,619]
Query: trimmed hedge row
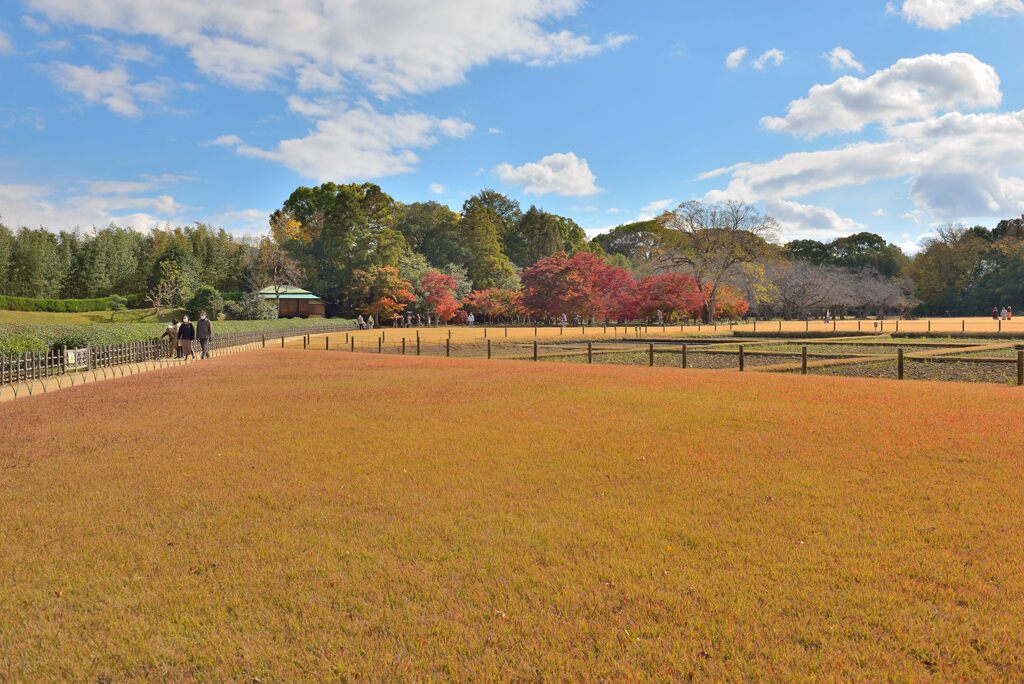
[135,301]
[54,305]
[19,338]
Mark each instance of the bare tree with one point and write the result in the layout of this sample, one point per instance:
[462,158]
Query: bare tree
[273,267]
[714,241]
[162,295]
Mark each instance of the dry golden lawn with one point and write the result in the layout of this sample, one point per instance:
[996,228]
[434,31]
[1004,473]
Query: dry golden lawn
[321,516]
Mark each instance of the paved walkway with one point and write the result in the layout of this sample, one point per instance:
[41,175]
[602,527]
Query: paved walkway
[29,388]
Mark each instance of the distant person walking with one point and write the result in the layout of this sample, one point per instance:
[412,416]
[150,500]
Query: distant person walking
[171,333]
[995,313]
[204,331]
[369,322]
[1002,314]
[360,322]
[186,336]
[471,319]
[1009,313]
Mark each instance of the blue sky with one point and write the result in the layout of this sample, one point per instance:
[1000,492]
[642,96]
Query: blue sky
[839,116]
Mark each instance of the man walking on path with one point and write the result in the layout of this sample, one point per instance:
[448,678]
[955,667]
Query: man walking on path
[204,331]
[186,335]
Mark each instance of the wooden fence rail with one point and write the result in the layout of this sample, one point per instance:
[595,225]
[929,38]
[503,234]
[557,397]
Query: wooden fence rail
[31,366]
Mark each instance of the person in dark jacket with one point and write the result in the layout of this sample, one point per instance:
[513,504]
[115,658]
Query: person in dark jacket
[204,331]
[186,335]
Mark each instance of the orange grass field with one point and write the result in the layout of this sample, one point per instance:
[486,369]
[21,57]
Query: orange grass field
[287,515]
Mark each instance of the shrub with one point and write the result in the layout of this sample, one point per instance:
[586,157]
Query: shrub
[251,307]
[207,299]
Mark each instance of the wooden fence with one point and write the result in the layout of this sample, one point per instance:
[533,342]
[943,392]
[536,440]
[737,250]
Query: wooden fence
[32,366]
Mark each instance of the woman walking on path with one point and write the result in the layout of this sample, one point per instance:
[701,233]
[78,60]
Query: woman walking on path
[186,335]
[171,333]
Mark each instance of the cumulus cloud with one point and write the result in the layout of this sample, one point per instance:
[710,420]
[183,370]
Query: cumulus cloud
[809,222]
[913,88]
[840,59]
[437,188]
[6,45]
[132,204]
[735,58]
[562,173]
[945,14]
[655,209]
[960,165]
[403,46]
[113,88]
[356,143]
[774,56]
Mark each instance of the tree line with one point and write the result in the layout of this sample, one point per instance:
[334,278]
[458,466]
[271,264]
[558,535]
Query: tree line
[364,252]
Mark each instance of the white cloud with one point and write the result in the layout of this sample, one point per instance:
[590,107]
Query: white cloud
[735,58]
[437,188]
[804,221]
[945,14]
[840,58]
[226,141]
[91,203]
[494,131]
[879,212]
[401,46]
[34,25]
[559,173]
[613,210]
[358,143]
[912,244]
[654,209]
[959,165]
[774,56]
[252,221]
[6,45]
[113,87]
[125,52]
[913,88]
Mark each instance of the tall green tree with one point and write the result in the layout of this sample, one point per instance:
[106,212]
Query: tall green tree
[487,264]
[335,230]
[36,268]
[432,229]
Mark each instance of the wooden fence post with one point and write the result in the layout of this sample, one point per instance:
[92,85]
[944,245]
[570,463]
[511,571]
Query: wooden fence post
[403,346]
[536,357]
[742,360]
[929,325]
[683,361]
[352,343]
[899,363]
[590,352]
[448,346]
[1020,367]
[488,348]
[282,341]
[380,344]
[803,360]
[417,344]
[327,343]
[650,353]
